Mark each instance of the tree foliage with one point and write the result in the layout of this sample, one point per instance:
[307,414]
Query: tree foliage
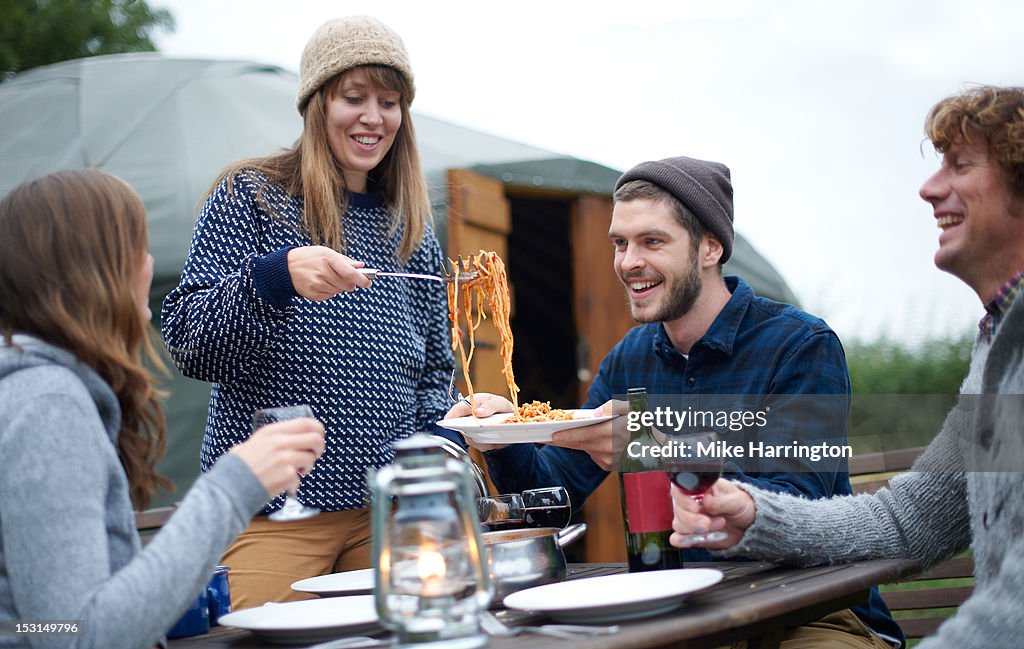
[40,32]
[936,366]
[901,393]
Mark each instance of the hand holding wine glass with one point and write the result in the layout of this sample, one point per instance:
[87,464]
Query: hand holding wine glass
[725,508]
[697,467]
[279,452]
[292,509]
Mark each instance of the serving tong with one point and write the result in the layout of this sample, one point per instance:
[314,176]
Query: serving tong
[460,270]
[448,273]
[373,273]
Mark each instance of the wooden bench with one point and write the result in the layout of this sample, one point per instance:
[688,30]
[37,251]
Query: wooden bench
[924,602]
[148,522]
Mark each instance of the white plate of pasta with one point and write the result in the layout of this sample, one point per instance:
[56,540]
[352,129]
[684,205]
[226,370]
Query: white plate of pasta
[497,429]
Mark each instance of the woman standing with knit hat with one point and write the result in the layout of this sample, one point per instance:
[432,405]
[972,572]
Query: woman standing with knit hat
[272,310]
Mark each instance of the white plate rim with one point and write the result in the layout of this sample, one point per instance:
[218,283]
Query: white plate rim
[493,430]
[570,608]
[323,584]
[261,619]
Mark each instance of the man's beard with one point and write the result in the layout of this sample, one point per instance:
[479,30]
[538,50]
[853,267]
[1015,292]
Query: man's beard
[684,295]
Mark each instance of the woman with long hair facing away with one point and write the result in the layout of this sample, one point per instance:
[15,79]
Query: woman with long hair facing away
[81,427]
[272,309]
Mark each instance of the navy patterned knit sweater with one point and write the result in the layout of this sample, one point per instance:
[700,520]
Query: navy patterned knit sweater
[373,363]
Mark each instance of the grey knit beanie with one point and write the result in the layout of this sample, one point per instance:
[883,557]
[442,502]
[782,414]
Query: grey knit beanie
[703,187]
[345,43]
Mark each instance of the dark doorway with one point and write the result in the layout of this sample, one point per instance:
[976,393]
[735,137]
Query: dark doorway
[540,270]
[544,325]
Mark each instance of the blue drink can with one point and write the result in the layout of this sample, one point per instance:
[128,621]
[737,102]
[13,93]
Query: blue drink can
[218,594]
[194,621]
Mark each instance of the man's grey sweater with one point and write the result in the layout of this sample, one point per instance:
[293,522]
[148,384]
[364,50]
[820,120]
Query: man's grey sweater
[69,549]
[966,490]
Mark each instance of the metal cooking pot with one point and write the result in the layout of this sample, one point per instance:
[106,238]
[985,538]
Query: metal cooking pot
[525,558]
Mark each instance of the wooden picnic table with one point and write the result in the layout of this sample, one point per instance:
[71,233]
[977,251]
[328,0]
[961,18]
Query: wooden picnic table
[754,601]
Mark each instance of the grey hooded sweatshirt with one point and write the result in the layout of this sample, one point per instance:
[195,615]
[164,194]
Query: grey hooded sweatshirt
[69,549]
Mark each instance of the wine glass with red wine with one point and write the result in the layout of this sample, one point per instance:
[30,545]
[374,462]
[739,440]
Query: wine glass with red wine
[697,467]
[501,512]
[546,507]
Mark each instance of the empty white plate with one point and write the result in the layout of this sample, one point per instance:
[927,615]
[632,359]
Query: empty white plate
[311,620]
[614,598]
[351,582]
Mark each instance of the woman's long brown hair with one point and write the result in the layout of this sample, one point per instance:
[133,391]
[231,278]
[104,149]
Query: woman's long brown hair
[309,169]
[71,247]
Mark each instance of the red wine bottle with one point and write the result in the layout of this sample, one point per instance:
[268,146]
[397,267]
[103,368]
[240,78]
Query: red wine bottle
[646,502]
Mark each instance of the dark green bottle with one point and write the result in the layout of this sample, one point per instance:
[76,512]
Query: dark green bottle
[646,503]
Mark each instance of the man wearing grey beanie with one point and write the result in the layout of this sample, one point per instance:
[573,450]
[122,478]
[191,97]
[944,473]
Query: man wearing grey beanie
[702,333]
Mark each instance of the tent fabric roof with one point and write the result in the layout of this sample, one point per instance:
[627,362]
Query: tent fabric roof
[167,126]
[562,173]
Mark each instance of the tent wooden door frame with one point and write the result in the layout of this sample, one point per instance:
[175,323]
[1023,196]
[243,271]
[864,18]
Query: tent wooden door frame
[479,217]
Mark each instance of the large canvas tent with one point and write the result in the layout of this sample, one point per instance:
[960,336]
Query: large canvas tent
[169,125]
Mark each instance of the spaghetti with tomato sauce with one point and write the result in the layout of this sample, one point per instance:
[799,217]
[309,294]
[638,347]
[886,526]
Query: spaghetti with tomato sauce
[487,280]
[537,411]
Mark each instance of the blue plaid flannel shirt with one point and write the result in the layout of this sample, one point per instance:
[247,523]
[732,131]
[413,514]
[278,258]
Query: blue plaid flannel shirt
[754,347]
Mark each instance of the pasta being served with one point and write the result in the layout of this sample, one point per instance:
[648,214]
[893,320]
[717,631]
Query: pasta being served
[488,281]
[538,411]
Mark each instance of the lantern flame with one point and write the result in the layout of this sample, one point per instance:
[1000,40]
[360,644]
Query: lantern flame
[430,566]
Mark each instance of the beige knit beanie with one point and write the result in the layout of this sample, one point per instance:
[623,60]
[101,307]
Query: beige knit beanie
[345,43]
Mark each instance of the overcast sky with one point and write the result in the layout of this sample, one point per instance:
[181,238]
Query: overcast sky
[816,106]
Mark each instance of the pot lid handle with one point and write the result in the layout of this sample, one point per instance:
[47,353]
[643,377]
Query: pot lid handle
[566,536]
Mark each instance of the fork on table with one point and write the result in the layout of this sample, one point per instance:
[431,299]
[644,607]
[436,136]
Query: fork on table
[495,627]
